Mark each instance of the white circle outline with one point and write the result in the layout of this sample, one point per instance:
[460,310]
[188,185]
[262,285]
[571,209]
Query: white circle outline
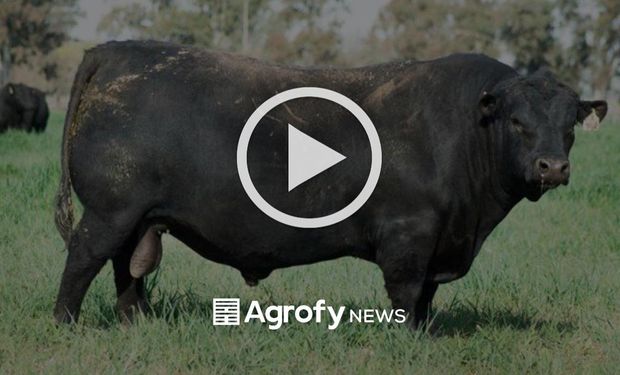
[309,222]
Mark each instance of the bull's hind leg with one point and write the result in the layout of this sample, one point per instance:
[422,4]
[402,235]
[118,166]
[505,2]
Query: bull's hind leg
[137,259]
[130,292]
[94,241]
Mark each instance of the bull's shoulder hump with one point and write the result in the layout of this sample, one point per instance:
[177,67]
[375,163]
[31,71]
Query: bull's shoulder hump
[476,59]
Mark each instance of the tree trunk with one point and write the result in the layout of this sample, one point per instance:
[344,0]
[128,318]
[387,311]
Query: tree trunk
[245,26]
[5,64]
[601,84]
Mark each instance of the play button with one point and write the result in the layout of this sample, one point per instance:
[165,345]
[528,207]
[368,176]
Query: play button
[307,157]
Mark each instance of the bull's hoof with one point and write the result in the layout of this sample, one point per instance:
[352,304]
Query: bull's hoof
[251,282]
[129,312]
[63,317]
[426,326]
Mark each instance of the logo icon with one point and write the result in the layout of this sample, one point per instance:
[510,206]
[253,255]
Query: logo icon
[308,157]
[226,312]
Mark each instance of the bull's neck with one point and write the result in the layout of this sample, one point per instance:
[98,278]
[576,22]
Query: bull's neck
[497,201]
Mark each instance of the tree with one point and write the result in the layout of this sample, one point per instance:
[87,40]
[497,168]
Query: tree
[292,31]
[31,28]
[306,32]
[528,30]
[425,29]
[600,45]
[578,40]
[207,23]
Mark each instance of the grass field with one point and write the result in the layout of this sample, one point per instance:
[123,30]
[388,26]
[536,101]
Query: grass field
[542,296]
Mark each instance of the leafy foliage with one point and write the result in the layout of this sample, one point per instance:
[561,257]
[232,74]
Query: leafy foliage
[430,28]
[306,31]
[29,28]
[578,40]
[293,31]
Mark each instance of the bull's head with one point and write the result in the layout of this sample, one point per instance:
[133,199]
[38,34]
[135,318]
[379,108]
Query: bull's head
[11,97]
[534,119]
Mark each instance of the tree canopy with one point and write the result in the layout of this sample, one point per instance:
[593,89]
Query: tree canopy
[294,31]
[31,28]
[579,40]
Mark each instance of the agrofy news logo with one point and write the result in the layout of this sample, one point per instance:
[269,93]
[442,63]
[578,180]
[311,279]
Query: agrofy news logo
[227,312]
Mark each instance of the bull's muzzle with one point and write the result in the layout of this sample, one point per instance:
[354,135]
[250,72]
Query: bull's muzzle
[552,171]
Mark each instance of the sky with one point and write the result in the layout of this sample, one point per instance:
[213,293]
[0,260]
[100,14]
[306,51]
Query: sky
[356,26]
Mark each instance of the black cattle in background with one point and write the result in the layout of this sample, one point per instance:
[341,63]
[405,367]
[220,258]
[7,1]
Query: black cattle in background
[23,107]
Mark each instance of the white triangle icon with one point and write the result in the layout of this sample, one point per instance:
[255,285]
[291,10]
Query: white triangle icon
[307,157]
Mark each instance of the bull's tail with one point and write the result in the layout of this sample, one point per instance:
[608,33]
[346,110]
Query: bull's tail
[64,206]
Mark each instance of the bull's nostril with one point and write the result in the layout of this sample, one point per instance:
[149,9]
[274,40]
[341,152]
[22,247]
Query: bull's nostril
[543,165]
[565,168]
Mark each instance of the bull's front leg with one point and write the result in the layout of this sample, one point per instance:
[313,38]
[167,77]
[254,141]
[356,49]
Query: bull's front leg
[404,260]
[423,308]
[27,120]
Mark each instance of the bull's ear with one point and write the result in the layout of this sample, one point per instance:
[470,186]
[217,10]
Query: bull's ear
[487,104]
[591,113]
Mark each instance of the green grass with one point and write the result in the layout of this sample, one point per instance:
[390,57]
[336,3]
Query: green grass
[542,296]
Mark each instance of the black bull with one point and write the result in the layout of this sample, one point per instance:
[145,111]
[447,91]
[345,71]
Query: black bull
[23,107]
[150,145]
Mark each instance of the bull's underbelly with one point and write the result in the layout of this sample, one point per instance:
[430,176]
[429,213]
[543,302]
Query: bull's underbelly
[255,264]
[255,261]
